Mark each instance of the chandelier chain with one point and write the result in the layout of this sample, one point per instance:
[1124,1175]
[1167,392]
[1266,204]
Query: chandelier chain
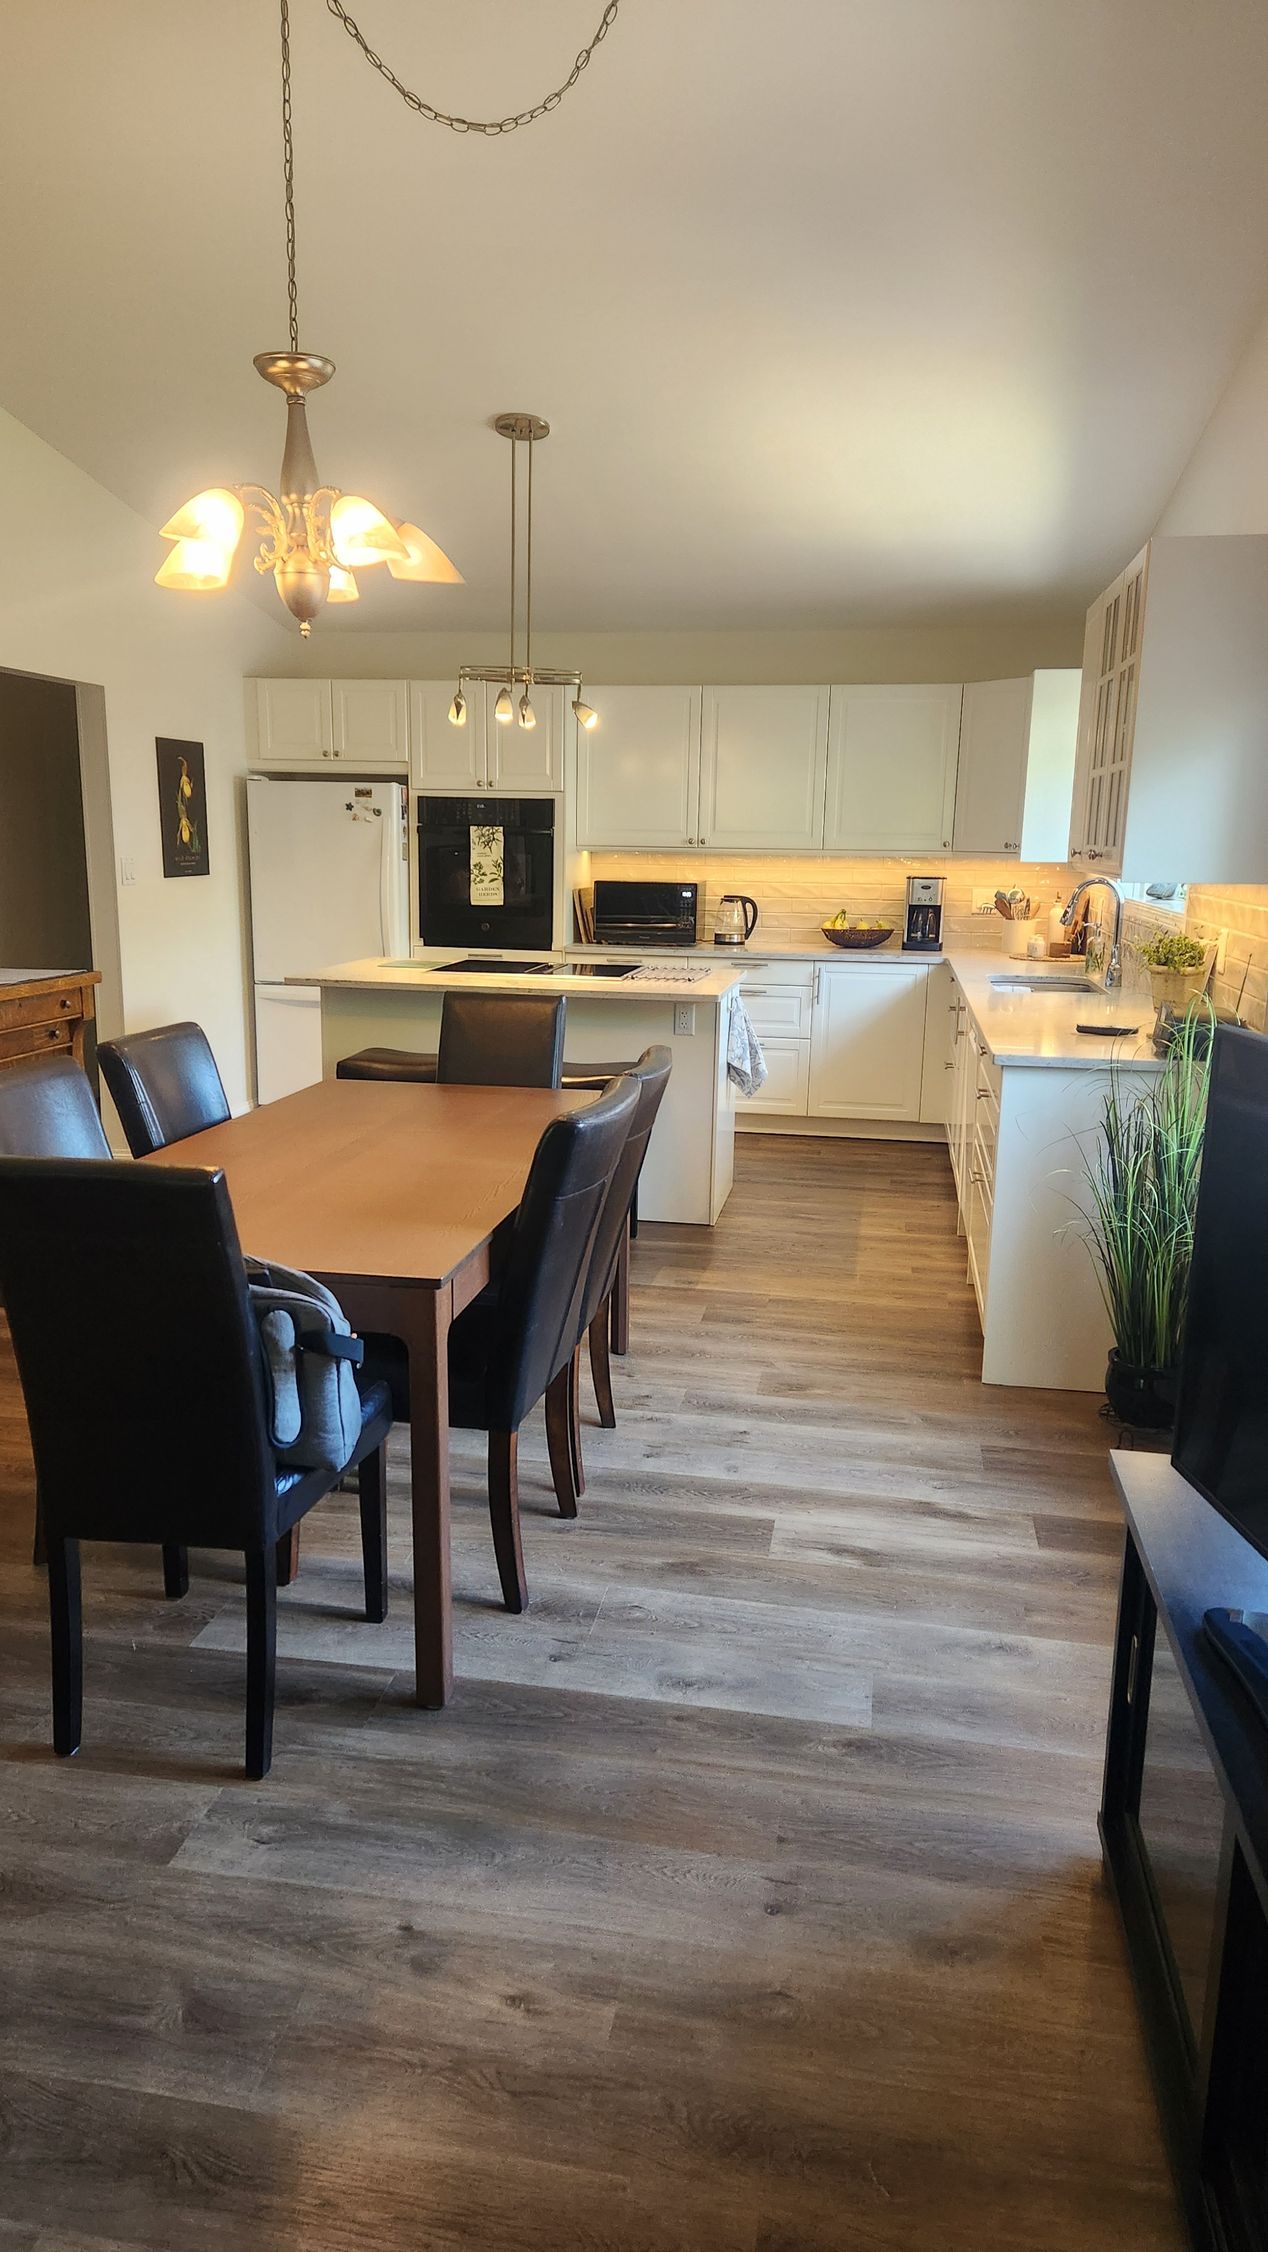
[288,167]
[491,126]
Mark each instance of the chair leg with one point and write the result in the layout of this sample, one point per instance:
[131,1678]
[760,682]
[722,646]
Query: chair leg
[504,1513]
[288,1557]
[620,1299]
[634,1211]
[574,1423]
[372,1486]
[558,1444]
[66,1621]
[175,1572]
[261,1658]
[601,1365]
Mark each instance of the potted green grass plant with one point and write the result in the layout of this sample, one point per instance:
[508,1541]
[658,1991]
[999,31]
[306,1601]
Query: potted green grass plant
[1178,968]
[1143,1177]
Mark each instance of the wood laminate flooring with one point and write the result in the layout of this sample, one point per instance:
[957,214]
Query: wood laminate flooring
[746,1899]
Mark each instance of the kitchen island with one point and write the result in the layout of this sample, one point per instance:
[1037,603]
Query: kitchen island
[381,1003]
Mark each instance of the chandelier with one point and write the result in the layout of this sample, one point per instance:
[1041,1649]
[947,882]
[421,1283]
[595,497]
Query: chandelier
[313,538]
[527,430]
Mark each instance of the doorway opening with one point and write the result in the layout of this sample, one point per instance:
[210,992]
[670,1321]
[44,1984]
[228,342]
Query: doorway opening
[58,907]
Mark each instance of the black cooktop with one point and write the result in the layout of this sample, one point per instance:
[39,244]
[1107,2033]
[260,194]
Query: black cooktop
[477,964]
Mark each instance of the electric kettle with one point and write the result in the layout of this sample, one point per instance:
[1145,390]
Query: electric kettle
[736,919]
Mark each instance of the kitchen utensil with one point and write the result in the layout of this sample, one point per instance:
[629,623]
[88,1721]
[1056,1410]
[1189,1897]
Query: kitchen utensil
[736,919]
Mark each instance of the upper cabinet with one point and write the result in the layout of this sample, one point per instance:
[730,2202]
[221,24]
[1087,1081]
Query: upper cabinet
[484,754]
[892,756]
[1016,766]
[638,772]
[763,761]
[308,722]
[1172,777]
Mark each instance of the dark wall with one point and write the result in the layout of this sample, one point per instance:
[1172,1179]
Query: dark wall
[44,918]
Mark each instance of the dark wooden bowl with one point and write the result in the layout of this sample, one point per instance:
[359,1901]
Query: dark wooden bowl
[856,940]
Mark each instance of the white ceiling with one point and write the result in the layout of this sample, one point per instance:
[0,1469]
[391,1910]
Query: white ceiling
[843,311]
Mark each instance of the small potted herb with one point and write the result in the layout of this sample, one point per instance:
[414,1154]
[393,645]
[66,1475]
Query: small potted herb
[1178,967]
[1143,1176]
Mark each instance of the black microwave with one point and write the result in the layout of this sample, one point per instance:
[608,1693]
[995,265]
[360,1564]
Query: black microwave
[645,914]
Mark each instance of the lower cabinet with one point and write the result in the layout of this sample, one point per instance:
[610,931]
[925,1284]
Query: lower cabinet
[867,1041]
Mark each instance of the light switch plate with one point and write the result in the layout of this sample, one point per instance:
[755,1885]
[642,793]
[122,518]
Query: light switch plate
[127,869]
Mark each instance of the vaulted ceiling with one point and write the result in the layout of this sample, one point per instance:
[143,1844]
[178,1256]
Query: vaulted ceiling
[843,311]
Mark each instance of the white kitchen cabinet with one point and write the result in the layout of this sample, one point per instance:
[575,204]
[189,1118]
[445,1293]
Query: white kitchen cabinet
[638,771]
[528,761]
[482,754]
[787,1090]
[310,722]
[1172,780]
[867,1041]
[443,757]
[763,763]
[1015,783]
[892,755]
[294,724]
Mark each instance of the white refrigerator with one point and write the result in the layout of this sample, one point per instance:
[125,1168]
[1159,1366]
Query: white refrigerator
[329,883]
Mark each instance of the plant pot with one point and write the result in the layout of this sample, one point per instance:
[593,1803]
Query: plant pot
[1145,1398]
[1175,989]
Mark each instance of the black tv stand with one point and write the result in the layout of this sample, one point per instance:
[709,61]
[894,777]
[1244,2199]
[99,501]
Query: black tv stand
[1243,1650]
[1184,1825]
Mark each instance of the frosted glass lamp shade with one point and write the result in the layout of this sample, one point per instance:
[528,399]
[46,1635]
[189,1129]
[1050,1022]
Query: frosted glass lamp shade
[195,567]
[424,561]
[362,534]
[585,715]
[343,587]
[216,516]
[503,709]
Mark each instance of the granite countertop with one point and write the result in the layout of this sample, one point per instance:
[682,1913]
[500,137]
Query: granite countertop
[378,974]
[1038,1029]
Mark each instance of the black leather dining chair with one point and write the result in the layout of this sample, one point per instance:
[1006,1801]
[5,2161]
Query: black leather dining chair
[139,1359]
[486,1040]
[47,1109]
[164,1085]
[513,1343]
[500,1040]
[651,1076]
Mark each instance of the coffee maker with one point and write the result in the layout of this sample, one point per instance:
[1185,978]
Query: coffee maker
[922,923]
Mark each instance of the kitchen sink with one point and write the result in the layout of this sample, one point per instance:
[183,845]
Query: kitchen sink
[1039,984]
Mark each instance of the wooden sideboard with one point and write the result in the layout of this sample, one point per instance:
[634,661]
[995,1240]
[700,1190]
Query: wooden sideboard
[45,1012]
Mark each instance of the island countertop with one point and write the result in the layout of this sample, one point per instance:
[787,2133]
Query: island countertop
[384,975]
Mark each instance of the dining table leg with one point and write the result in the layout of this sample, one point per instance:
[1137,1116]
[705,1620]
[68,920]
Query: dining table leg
[427,1344]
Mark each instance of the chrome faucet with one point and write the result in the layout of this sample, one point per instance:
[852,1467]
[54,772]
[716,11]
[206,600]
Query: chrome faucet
[1114,965]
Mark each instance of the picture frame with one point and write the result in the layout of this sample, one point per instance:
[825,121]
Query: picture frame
[182,789]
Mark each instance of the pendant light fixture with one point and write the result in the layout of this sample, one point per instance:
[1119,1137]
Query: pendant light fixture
[313,538]
[527,430]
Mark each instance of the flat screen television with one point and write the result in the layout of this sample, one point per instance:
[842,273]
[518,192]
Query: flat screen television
[1221,1433]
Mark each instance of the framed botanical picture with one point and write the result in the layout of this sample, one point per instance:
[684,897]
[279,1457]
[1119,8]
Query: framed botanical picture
[182,785]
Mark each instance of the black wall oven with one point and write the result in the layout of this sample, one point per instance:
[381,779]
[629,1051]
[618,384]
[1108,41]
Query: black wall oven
[486,872]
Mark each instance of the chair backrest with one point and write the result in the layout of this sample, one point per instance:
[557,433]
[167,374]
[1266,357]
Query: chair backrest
[501,1040]
[126,1297]
[47,1110]
[651,1076]
[164,1085]
[548,1254]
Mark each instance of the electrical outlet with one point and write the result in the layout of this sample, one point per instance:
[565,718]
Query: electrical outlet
[685,1019]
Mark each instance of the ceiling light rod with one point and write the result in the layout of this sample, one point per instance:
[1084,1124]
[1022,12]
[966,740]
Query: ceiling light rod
[522,430]
[312,536]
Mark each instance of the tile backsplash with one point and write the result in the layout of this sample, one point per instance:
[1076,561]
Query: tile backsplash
[797,896]
[1242,911]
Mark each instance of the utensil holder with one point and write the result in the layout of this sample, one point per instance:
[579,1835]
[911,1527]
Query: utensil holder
[1017,937]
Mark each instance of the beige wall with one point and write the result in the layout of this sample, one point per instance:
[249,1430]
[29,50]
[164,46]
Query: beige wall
[77,603]
[998,649]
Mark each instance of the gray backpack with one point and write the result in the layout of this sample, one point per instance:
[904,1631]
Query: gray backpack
[308,1355]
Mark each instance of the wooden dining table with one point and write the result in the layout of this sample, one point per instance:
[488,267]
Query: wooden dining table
[390,1194]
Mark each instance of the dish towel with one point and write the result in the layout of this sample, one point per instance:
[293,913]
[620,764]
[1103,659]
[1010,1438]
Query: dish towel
[745,1063]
